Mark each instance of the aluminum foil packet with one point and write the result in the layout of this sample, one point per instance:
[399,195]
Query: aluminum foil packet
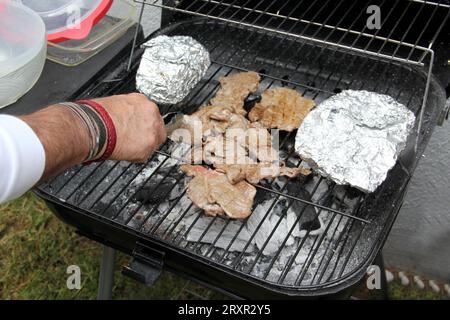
[171,67]
[355,137]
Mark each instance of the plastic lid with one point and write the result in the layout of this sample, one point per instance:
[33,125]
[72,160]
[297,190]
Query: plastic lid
[69,19]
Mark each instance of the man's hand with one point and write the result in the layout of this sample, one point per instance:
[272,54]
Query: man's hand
[139,125]
[140,131]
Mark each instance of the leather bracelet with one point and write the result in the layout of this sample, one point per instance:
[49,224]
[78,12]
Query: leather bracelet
[111,129]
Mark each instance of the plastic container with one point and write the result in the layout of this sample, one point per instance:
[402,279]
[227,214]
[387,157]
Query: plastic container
[22,50]
[69,19]
[117,21]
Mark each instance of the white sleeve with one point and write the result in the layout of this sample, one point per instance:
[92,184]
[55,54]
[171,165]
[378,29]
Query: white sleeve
[22,158]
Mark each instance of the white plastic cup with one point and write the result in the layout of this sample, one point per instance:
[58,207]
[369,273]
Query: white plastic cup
[23,50]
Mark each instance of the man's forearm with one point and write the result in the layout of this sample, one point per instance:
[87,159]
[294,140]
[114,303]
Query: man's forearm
[65,139]
[41,145]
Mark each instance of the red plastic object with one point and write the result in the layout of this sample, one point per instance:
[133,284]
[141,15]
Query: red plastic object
[85,27]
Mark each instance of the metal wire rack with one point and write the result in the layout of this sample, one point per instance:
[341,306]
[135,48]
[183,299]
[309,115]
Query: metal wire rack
[318,20]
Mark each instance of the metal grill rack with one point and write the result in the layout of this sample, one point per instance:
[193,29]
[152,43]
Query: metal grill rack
[282,247]
[317,20]
[328,23]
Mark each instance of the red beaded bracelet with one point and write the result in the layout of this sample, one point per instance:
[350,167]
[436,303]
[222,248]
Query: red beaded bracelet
[112,134]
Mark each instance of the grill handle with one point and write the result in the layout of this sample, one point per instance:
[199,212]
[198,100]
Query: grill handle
[147,264]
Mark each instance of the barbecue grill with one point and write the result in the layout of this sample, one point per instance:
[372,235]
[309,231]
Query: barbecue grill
[307,237]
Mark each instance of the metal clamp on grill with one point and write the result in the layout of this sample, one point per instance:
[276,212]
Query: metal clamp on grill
[147,265]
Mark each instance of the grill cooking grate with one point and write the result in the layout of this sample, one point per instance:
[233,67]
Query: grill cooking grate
[299,244]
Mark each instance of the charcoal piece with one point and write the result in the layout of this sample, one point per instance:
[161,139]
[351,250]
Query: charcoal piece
[107,209]
[310,225]
[155,192]
[309,219]
[262,196]
[251,100]
[160,187]
[347,198]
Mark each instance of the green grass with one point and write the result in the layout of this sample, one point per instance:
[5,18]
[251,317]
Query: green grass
[397,291]
[36,249]
[412,293]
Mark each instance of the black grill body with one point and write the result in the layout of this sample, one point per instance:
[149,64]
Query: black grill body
[101,200]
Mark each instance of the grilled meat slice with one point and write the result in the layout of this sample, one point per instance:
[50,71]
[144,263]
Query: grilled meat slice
[219,149]
[216,120]
[198,192]
[240,147]
[234,90]
[212,192]
[281,108]
[209,121]
[254,173]
[259,144]
[186,129]
[224,111]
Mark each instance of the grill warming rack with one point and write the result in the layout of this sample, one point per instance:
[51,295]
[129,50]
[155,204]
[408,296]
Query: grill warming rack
[348,237]
[329,23]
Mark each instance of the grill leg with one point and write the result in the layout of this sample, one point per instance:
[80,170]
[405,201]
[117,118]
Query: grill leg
[379,261]
[106,281]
